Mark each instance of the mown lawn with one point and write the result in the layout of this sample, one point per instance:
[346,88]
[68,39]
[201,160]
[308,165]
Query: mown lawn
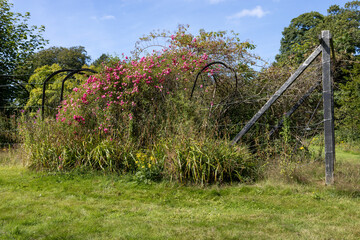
[96,206]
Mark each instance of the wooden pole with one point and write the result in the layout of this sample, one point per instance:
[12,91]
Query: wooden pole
[328,99]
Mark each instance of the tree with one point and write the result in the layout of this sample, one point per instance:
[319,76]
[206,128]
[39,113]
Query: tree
[73,57]
[298,32]
[102,59]
[53,88]
[106,59]
[348,114]
[303,31]
[18,41]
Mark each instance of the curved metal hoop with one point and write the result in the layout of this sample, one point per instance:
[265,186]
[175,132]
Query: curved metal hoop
[72,72]
[208,65]
[44,87]
[69,76]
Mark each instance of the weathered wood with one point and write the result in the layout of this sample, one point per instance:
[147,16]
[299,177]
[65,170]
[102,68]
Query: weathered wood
[277,94]
[328,101]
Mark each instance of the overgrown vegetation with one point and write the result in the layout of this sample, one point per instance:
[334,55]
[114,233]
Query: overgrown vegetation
[139,151]
[145,116]
[137,116]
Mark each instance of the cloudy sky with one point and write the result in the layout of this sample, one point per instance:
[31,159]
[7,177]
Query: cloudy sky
[113,26]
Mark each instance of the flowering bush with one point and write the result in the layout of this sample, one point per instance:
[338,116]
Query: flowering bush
[124,117]
[131,91]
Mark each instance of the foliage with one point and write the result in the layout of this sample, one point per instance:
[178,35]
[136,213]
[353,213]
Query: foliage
[53,88]
[105,59]
[18,41]
[66,58]
[8,130]
[297,33]
[303,32]
[218,46]
[349,111]
[126,117]
[210,161]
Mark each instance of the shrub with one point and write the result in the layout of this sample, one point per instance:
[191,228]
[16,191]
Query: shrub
[209,161]
[136,116]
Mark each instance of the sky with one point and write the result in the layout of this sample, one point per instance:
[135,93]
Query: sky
[113,26]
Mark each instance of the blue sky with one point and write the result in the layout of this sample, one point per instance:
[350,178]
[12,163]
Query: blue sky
[113,26]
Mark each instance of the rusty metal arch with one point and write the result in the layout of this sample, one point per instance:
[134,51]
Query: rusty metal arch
[208,65]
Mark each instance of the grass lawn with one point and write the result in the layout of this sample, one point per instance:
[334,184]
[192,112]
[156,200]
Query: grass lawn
[95,206]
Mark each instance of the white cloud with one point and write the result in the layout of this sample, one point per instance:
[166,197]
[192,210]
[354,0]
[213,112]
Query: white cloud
[215,1]
[105,17]
[256,12]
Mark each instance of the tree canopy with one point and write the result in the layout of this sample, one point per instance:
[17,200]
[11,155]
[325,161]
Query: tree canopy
[18,41]
[303,31]
[73,57]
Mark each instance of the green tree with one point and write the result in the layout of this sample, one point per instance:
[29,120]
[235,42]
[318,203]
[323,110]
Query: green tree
[298,33]
[106,59]
[348,114]
[102,59]
[73,57]
[303,31]
[53,88]
[18,41]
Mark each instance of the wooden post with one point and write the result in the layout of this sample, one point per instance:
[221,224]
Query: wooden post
[328,100]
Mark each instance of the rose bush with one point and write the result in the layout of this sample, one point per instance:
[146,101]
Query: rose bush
[135,108]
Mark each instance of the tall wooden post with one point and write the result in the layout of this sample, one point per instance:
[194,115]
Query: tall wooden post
[328,100]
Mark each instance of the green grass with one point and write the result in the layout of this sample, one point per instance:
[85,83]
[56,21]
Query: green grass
[347,156]
[96,206]
[344,153]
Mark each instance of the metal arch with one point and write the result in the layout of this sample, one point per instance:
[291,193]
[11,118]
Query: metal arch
[69,76]
[18,84]
[208,65]
[44,86]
